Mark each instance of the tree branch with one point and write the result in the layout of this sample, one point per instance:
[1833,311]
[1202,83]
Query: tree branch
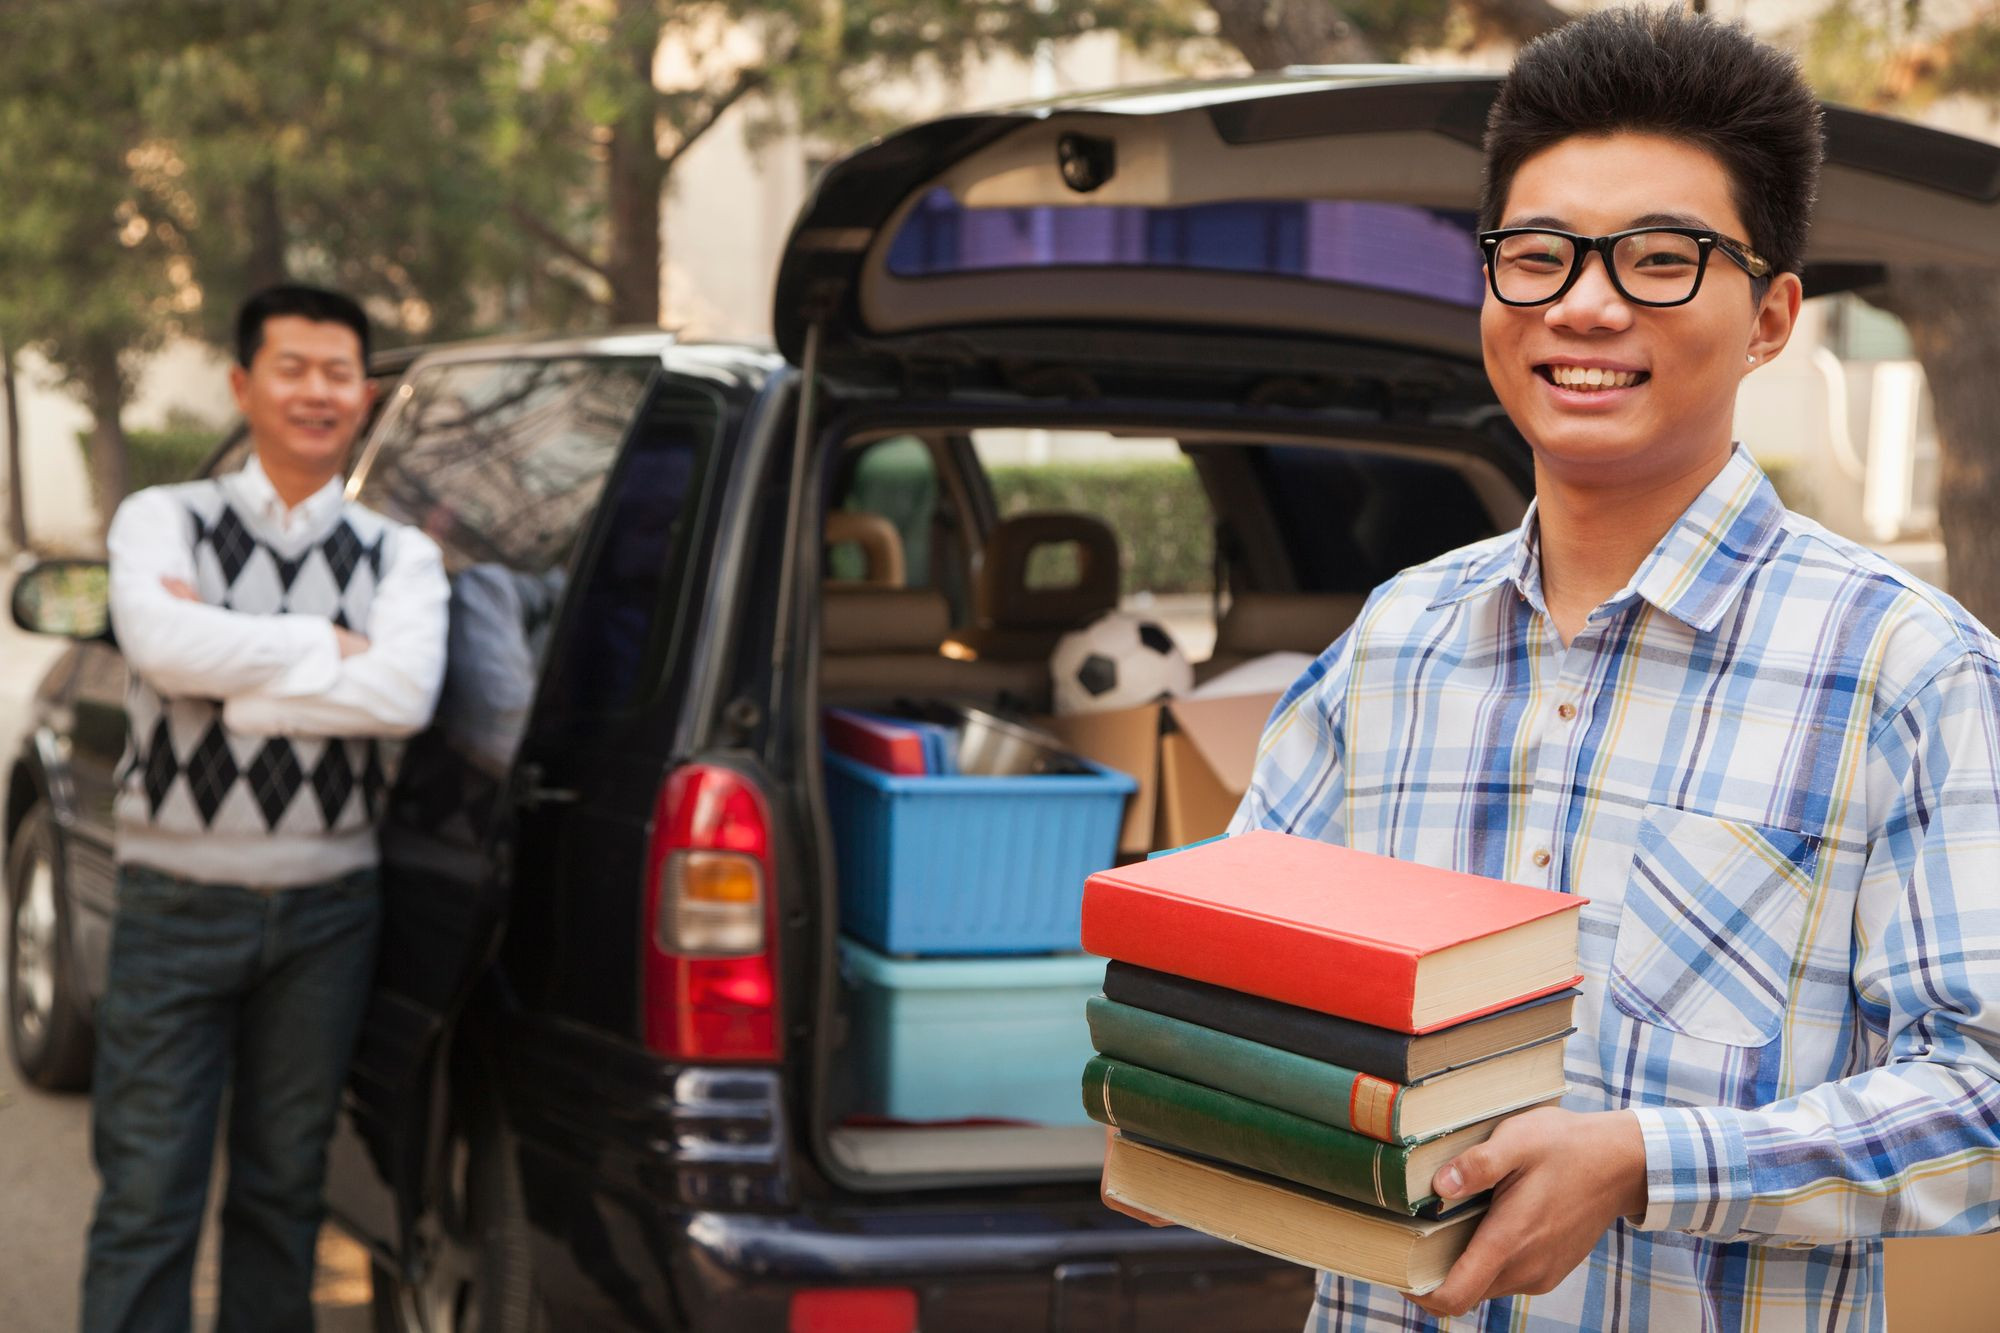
[1515,21]
[748,80]
[556,241]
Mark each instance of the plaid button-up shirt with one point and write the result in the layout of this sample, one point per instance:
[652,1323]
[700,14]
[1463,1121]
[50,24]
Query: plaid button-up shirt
[1772,763]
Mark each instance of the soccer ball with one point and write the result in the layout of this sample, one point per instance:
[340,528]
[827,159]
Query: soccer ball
[1118,660]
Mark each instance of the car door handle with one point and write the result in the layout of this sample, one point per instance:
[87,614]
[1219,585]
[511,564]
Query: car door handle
[530,792]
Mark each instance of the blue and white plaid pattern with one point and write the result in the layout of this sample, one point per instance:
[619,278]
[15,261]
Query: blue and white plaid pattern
[1773,765]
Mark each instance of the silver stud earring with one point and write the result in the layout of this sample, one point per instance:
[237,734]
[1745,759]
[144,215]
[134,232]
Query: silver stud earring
[1752,359]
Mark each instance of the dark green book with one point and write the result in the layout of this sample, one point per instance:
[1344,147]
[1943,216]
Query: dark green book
[1236,1130]
[1345,1098]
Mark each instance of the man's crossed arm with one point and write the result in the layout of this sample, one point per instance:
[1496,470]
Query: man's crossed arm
[285,674]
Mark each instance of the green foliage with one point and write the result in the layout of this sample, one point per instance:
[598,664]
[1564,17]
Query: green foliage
[1975,59]
[1165,532]
[1900,55]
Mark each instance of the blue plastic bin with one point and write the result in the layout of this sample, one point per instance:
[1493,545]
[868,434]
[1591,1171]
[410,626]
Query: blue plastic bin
[969,1038]
[969,865]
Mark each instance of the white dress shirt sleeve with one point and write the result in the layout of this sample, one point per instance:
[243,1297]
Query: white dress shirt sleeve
[389,690]
[191,650]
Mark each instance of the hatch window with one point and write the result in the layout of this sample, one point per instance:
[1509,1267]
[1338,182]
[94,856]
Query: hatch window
[1399,248]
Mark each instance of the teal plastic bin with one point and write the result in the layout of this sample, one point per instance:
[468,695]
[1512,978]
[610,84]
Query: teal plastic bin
[968,1038]
[969,865]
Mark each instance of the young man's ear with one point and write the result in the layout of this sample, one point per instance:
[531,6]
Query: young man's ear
[1777,316]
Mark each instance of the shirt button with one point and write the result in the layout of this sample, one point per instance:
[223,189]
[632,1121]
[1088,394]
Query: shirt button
[1541,857]
[1565,711]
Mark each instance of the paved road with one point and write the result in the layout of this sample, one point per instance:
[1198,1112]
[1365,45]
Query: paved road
[46,1181]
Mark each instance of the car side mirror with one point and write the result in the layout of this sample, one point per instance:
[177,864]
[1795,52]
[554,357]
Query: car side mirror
[71,598]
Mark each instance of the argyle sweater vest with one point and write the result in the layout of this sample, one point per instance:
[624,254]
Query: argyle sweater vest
[196,798]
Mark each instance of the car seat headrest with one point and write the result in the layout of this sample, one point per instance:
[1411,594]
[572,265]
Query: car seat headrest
[1004,595]
[881,545]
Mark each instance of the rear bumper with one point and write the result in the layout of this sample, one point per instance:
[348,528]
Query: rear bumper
[670,1204]
[1073,1268]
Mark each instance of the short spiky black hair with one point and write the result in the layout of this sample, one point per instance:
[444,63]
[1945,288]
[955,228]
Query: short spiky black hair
[290,298]
[1664,72]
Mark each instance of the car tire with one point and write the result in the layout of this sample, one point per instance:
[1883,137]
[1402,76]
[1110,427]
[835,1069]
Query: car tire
[48,1017]
[481,1278]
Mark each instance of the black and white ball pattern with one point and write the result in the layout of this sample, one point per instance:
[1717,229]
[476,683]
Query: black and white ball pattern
[1119,660]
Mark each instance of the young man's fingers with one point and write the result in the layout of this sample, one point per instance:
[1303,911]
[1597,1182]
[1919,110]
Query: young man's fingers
[1470,1278]
[1479,1167]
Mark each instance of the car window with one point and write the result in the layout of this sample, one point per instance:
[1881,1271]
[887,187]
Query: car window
[897,479]
[502,463]
[1356,242]
[1348,520]
[631,593]
[1149,494]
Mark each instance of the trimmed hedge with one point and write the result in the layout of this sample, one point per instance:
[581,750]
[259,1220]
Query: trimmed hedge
[154,457]
[1166,536]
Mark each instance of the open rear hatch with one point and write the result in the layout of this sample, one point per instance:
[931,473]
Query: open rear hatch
[1194,245]
[1020,239]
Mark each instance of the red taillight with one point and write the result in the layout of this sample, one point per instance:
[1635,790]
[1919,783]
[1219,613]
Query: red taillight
[854,1310]
[711,977]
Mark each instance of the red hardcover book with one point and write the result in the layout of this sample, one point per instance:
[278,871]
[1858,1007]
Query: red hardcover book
[1400,945]
[875,741]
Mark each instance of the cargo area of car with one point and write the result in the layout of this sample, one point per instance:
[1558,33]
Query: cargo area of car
[1132,600]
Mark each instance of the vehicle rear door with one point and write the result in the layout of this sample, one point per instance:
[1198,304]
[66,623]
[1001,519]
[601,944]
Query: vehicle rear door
[1265,220]
[502,461]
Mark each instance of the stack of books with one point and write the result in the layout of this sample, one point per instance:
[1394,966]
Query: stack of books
[1293,1037]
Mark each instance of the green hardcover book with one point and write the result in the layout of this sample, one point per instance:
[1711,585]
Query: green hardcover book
[1236,1130]
[1391,1112]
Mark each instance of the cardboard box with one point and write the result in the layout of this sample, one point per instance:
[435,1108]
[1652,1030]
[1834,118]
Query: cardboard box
[1192,759]
[1943,1284]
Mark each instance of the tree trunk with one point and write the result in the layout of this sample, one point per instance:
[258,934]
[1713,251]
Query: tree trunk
[267,266]
[1272,34]
[104,395]
[636,176]
[1953,315]
[17,497]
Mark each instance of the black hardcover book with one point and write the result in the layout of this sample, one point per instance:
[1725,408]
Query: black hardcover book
[1396,1056]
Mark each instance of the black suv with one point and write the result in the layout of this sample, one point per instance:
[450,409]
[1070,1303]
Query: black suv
[559,1113]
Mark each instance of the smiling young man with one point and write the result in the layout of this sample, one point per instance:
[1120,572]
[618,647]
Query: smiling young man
[1768,757]
[276,634]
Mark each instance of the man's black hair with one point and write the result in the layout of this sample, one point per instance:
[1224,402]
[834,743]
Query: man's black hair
[1679,76]
[291,298]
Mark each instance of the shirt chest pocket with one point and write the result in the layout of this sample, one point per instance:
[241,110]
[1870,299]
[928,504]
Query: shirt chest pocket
[1712,917]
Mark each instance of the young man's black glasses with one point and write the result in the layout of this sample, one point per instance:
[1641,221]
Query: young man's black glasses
[1652,266]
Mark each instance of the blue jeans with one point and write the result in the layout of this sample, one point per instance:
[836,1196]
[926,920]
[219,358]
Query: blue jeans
[216,987]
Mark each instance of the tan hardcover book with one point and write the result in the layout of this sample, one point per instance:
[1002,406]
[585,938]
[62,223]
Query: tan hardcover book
[1304,1226]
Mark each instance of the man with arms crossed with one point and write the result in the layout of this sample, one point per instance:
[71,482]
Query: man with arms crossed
[1767,756]
[277,635]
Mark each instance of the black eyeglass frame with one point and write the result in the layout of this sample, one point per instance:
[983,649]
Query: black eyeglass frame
[1582,247]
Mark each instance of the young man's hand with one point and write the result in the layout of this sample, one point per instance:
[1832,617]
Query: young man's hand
[1559,1180]
[179,588]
